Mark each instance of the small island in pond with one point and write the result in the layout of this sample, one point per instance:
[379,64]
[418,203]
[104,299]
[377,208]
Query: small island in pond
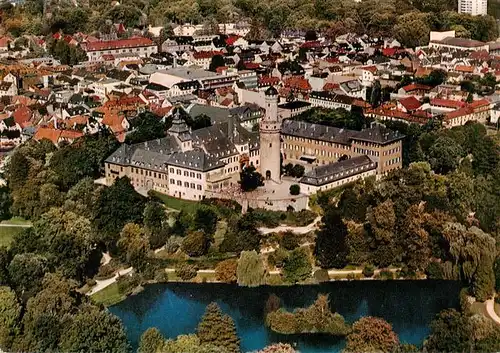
[317,318]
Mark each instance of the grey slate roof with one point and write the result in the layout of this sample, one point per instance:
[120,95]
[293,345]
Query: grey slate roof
[329,173]
[196,159]
[215,114]
[316,131]
[378,133]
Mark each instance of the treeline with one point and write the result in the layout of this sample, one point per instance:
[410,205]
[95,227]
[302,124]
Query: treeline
[439,216]
[408,21]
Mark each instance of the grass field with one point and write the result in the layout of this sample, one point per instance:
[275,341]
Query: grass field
[7,234]
[17,221]
[109,295]
[176,204]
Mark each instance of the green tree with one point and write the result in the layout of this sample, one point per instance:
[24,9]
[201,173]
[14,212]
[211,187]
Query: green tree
[17,170]
[217,61]
[376,95]
[26,272]
[94,331]
[196,243]
[250,179]
[295,189]
[200,122]
[147,126]
[412,29]
[444,155]
[205,219]
[152,341]
[297,266]
[10,313]
[450,332]
[250,271]
[382,220]
[156,224]
[371,334]
[225,271]
[331,248]
[116,206]
[133,245]
[218,329]
[69,239]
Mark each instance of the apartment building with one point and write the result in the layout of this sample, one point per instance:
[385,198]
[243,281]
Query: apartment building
[139,46]
[473,7]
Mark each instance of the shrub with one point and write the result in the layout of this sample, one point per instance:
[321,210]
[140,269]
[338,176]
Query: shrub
[434,270]
[386,274]
[297,266]
[128,282]
[186,272]
[317,318]
[321,275]
[106,272]
[195,244]
[226,271]
[294,189]
[277,258]
[90,282]
[289,240]
[173,244]
[368,271]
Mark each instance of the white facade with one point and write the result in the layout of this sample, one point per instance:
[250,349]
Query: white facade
[270,140]
[473,7]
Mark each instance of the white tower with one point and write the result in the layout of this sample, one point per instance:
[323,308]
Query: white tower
[270,139]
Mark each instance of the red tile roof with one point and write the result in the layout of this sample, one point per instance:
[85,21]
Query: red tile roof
[410,103]
[71,134]
[22,114]
[464,68]
[372,69]
[479,103]
[330,86]
[416,87]
[47,133]
[459,112]
[268,80]
[447,103]
[119,44]
[231,39]
[389,51]
[298,83]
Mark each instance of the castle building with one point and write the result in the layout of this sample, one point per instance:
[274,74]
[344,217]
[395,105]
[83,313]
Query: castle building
[320,144]
[270,139]
[186,164]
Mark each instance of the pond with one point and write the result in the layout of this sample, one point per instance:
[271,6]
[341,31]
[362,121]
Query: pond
[176,309]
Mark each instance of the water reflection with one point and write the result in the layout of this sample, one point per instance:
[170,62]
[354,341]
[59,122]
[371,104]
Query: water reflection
[176,308]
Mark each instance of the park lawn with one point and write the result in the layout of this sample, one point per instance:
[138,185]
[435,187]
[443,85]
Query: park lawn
[176,204]
[7,234]
[108,296]
[17,221]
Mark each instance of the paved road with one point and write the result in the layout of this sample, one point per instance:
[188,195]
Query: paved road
[296,230]
[107,282]
[10,225]
[490,309]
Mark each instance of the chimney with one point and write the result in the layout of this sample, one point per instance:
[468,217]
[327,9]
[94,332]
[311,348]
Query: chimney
[175,62]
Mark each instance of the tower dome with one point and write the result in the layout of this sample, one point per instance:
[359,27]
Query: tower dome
[271,91]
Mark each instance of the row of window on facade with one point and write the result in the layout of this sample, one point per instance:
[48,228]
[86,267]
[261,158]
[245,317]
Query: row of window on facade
[392,161]
[392,151]
[186,184]
[148,173]
[186,173]
[317,142]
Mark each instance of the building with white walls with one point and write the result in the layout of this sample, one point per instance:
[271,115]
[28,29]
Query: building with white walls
[473,7]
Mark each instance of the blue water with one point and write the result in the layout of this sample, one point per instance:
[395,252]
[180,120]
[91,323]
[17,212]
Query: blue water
[176,309]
